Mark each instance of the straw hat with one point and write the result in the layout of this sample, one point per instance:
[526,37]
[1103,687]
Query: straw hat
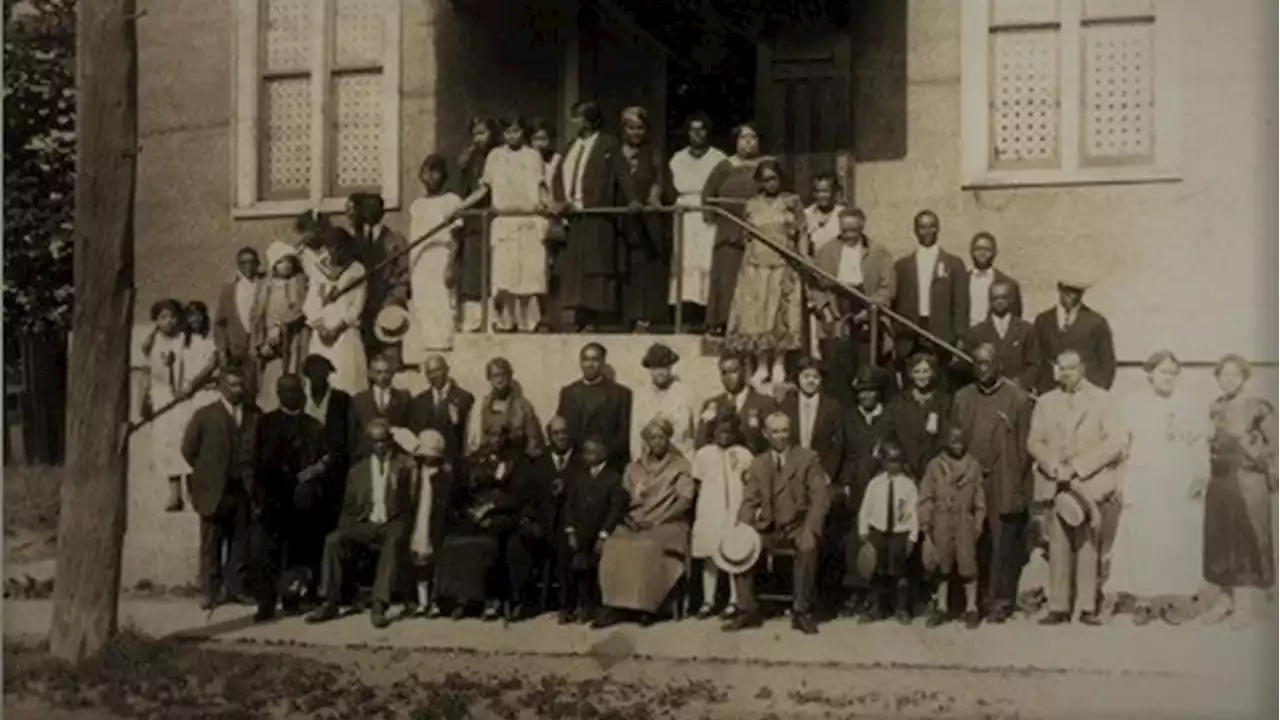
[866,560]
[1074,279]
[738,549]
[278,251]
[405,439]
[392,324]
[1071,508]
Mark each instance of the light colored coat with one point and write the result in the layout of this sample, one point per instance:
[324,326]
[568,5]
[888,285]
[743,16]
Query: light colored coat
[675,403]
[1083,431]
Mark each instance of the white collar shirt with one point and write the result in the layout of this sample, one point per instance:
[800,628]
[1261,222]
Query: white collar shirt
[1001,324]
[319,409]
[849,271]
[1066,317]
[808,411]
[578,166]
[740,400]
[246,289]
[379,467]
[926,265]
[980,294]
[236,411]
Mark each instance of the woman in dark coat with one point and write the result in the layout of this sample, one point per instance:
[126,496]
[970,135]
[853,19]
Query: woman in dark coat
[485,136]
[916,415]
[731,184]
[646,271]
[485,509]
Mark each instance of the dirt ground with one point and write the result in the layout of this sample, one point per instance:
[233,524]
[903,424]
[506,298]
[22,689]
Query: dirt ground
[142,678]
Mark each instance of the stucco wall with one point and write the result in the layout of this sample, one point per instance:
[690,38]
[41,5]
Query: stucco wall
[455,64]
[1188,266]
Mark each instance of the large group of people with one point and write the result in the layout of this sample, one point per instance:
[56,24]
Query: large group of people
[892,475]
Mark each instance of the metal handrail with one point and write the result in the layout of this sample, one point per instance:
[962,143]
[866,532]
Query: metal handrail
[801,263]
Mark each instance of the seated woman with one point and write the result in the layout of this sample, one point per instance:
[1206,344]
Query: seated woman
[486,510]
[645,556]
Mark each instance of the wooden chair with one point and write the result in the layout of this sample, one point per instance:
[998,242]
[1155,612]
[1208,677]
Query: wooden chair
[771,576]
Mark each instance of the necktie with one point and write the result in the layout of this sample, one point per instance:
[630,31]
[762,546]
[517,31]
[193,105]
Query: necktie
[577,164]
[377,396]
[777,459]
[888,525]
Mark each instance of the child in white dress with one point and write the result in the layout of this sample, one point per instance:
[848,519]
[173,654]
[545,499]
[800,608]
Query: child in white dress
[718,468]
[515,176]
[431,298]
[163,349]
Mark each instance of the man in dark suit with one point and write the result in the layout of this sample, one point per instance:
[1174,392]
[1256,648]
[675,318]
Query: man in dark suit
[443,407]
[554,469]
[219,445]
[379,510]
[785,499]
[594,505]
[596,405]
[233,320]
[866,426]
[1072,325]
[984,274]
[379,401]
[816,419]
[286,486]
[594,174]
[376,243]
[933,290]
[331,407]
[1015,340]
[741,399]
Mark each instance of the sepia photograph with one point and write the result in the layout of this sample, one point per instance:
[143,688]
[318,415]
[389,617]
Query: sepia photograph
[640,359]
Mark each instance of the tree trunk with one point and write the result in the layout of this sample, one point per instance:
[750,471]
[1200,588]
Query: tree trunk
[91,527]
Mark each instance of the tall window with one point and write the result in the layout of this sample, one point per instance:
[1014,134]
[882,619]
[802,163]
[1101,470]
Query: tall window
[1067,91]
[317,103]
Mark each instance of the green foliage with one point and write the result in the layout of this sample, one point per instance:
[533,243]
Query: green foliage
[39,163]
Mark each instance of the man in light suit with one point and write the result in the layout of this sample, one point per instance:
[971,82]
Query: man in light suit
[741,399]
[786,498]
[233,320]
[220,446]
[844,329]
[1077,441]
[379,510]
[932,290]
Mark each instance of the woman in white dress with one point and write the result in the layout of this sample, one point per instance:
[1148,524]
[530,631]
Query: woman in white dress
[514,176]
[431,298]
[1156,556]
[690,169]
[335,321]
[718,469]
[163,349]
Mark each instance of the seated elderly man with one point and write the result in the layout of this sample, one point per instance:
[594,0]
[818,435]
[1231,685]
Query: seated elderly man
[786,499]
[379,510]
[644,557]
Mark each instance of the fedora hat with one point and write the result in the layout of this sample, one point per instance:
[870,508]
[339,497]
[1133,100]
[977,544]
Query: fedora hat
[867,378]
[392,324]
[1071,508]
[738,549]
[659,356]
[1074,279]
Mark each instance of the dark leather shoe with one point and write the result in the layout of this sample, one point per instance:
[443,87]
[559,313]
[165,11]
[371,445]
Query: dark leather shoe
[324,613]
[1091,619]
[605,619]
[998,616]
[1055,618]
[935,619]
[972,619]
[904,616]
[567,617]
[264,613]
[805,623]
[744,621]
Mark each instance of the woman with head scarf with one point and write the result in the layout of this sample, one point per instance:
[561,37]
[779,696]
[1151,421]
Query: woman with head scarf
[645,556]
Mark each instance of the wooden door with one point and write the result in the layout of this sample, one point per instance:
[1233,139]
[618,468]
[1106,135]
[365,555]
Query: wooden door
[804,84]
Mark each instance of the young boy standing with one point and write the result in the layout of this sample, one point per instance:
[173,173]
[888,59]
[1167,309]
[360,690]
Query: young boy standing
[952,510]
[888,523]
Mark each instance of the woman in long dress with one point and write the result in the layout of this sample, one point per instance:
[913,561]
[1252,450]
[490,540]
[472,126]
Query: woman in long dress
[485,136]
[513,179]
[163,350]
[1238,547]
[335,321]
[543,139]
[729,186]
[431,264]
[646,267]
[1159,542]
[690,169]
[766,317]
[718,469]
[645,556]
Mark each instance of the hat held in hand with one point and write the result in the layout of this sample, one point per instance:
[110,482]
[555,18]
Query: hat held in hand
[392,324]
[1071,508]
[866,561]
[738,549]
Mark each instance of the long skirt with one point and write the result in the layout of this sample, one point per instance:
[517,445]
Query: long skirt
[644,286]
[471,261]
[639,569]
[519,255]
[694,269]
[350,364]
[766,315]
[589,279]
[1159,546]
[463,567]
[726,263]
[432,305]
[166,437]
[1237,531]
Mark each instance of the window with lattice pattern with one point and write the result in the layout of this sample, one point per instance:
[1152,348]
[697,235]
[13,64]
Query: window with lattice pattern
[317,102]
[1066,91]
